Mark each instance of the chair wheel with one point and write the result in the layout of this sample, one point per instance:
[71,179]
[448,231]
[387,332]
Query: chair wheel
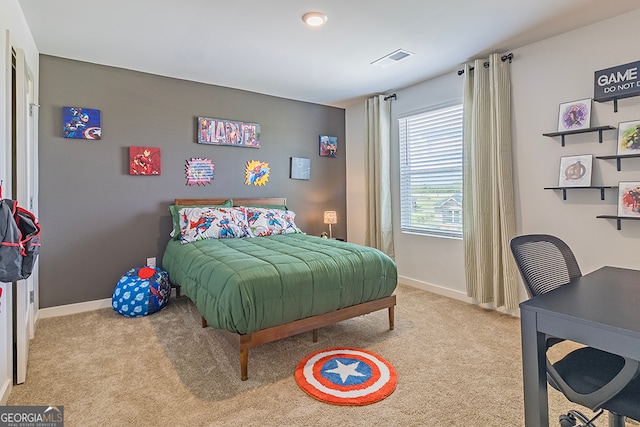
[567,420]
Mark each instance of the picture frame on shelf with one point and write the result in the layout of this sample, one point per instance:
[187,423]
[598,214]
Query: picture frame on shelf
[575,171]
[629,199]
[629,138]
[574,115]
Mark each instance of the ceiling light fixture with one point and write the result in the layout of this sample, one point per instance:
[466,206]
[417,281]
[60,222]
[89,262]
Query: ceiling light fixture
[314,19]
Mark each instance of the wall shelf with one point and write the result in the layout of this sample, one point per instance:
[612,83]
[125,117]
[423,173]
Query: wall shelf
[615,100]
[564,190]
[618,158]
[598,129]
[618,219]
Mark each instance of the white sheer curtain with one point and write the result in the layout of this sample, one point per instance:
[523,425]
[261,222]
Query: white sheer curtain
[379,232]
[488,201]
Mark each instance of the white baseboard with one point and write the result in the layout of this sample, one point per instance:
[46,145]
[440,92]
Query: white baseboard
[461,296]
[5,390]
[63,310]
[453,294]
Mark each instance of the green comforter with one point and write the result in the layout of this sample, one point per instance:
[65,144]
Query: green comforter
[245,285]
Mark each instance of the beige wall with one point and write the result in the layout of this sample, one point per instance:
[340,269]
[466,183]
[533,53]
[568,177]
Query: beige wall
[356,187]
[544,74]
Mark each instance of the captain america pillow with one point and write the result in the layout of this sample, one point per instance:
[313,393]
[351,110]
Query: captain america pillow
[199,223]
[267,222]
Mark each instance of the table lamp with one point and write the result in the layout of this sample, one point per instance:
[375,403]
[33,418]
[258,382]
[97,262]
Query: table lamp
[330,217]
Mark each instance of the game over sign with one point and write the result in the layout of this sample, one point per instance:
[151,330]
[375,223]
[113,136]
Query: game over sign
[617,82]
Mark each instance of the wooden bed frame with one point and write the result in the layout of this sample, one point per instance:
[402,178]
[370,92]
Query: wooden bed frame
[313,323]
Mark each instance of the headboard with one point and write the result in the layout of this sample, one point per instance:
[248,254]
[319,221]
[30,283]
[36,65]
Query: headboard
[259,201]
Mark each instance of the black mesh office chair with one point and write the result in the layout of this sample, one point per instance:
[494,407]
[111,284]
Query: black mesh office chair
[587,376]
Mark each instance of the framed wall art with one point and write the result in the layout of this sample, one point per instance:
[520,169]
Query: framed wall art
[300,168]
[144,161]
[629,137]
[256,173]
[199,171]
[575,171]
[629,199]
[81,123]
[228,132]
[574,115]
[328,146]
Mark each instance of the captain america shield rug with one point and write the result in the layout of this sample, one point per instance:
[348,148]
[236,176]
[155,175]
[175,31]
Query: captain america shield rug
[346,376]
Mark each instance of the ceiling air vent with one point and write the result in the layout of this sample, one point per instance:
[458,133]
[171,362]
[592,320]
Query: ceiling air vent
[392,58]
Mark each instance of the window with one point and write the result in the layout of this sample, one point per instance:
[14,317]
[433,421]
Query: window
[452,216]
[431,172]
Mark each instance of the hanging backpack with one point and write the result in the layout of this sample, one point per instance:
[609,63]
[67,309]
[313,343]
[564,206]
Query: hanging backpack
[19,241]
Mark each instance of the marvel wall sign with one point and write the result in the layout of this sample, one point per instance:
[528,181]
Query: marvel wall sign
[617,82]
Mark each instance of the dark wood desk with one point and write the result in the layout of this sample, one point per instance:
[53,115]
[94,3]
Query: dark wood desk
[600,309]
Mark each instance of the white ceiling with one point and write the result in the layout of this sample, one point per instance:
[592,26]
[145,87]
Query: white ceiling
[263,46]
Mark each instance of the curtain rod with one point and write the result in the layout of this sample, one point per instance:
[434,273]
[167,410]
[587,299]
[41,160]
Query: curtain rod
[486,64]
[393,95]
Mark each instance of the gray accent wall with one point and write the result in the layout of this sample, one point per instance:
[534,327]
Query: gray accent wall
[98,221]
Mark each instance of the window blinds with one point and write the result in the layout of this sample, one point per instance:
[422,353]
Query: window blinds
[431,172]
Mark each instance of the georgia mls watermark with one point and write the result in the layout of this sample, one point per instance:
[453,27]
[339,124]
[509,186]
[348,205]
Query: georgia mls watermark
[31,416]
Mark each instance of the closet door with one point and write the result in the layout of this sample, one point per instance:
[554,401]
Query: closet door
[23,186]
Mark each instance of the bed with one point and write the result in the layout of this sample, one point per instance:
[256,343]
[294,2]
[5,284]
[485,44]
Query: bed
[259,286]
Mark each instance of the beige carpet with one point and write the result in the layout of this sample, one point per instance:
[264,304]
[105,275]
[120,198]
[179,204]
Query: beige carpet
[457,364]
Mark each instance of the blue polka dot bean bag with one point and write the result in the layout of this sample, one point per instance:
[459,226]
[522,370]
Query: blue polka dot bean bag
[141,291]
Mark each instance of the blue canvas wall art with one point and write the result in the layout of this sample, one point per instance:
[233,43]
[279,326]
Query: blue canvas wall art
[81,123]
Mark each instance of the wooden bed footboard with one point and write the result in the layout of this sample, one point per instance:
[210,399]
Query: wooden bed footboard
[247,341]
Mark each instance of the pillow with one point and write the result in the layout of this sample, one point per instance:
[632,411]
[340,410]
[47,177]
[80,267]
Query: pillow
[266,222]
[279,207]
[174,209]
[198,223]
